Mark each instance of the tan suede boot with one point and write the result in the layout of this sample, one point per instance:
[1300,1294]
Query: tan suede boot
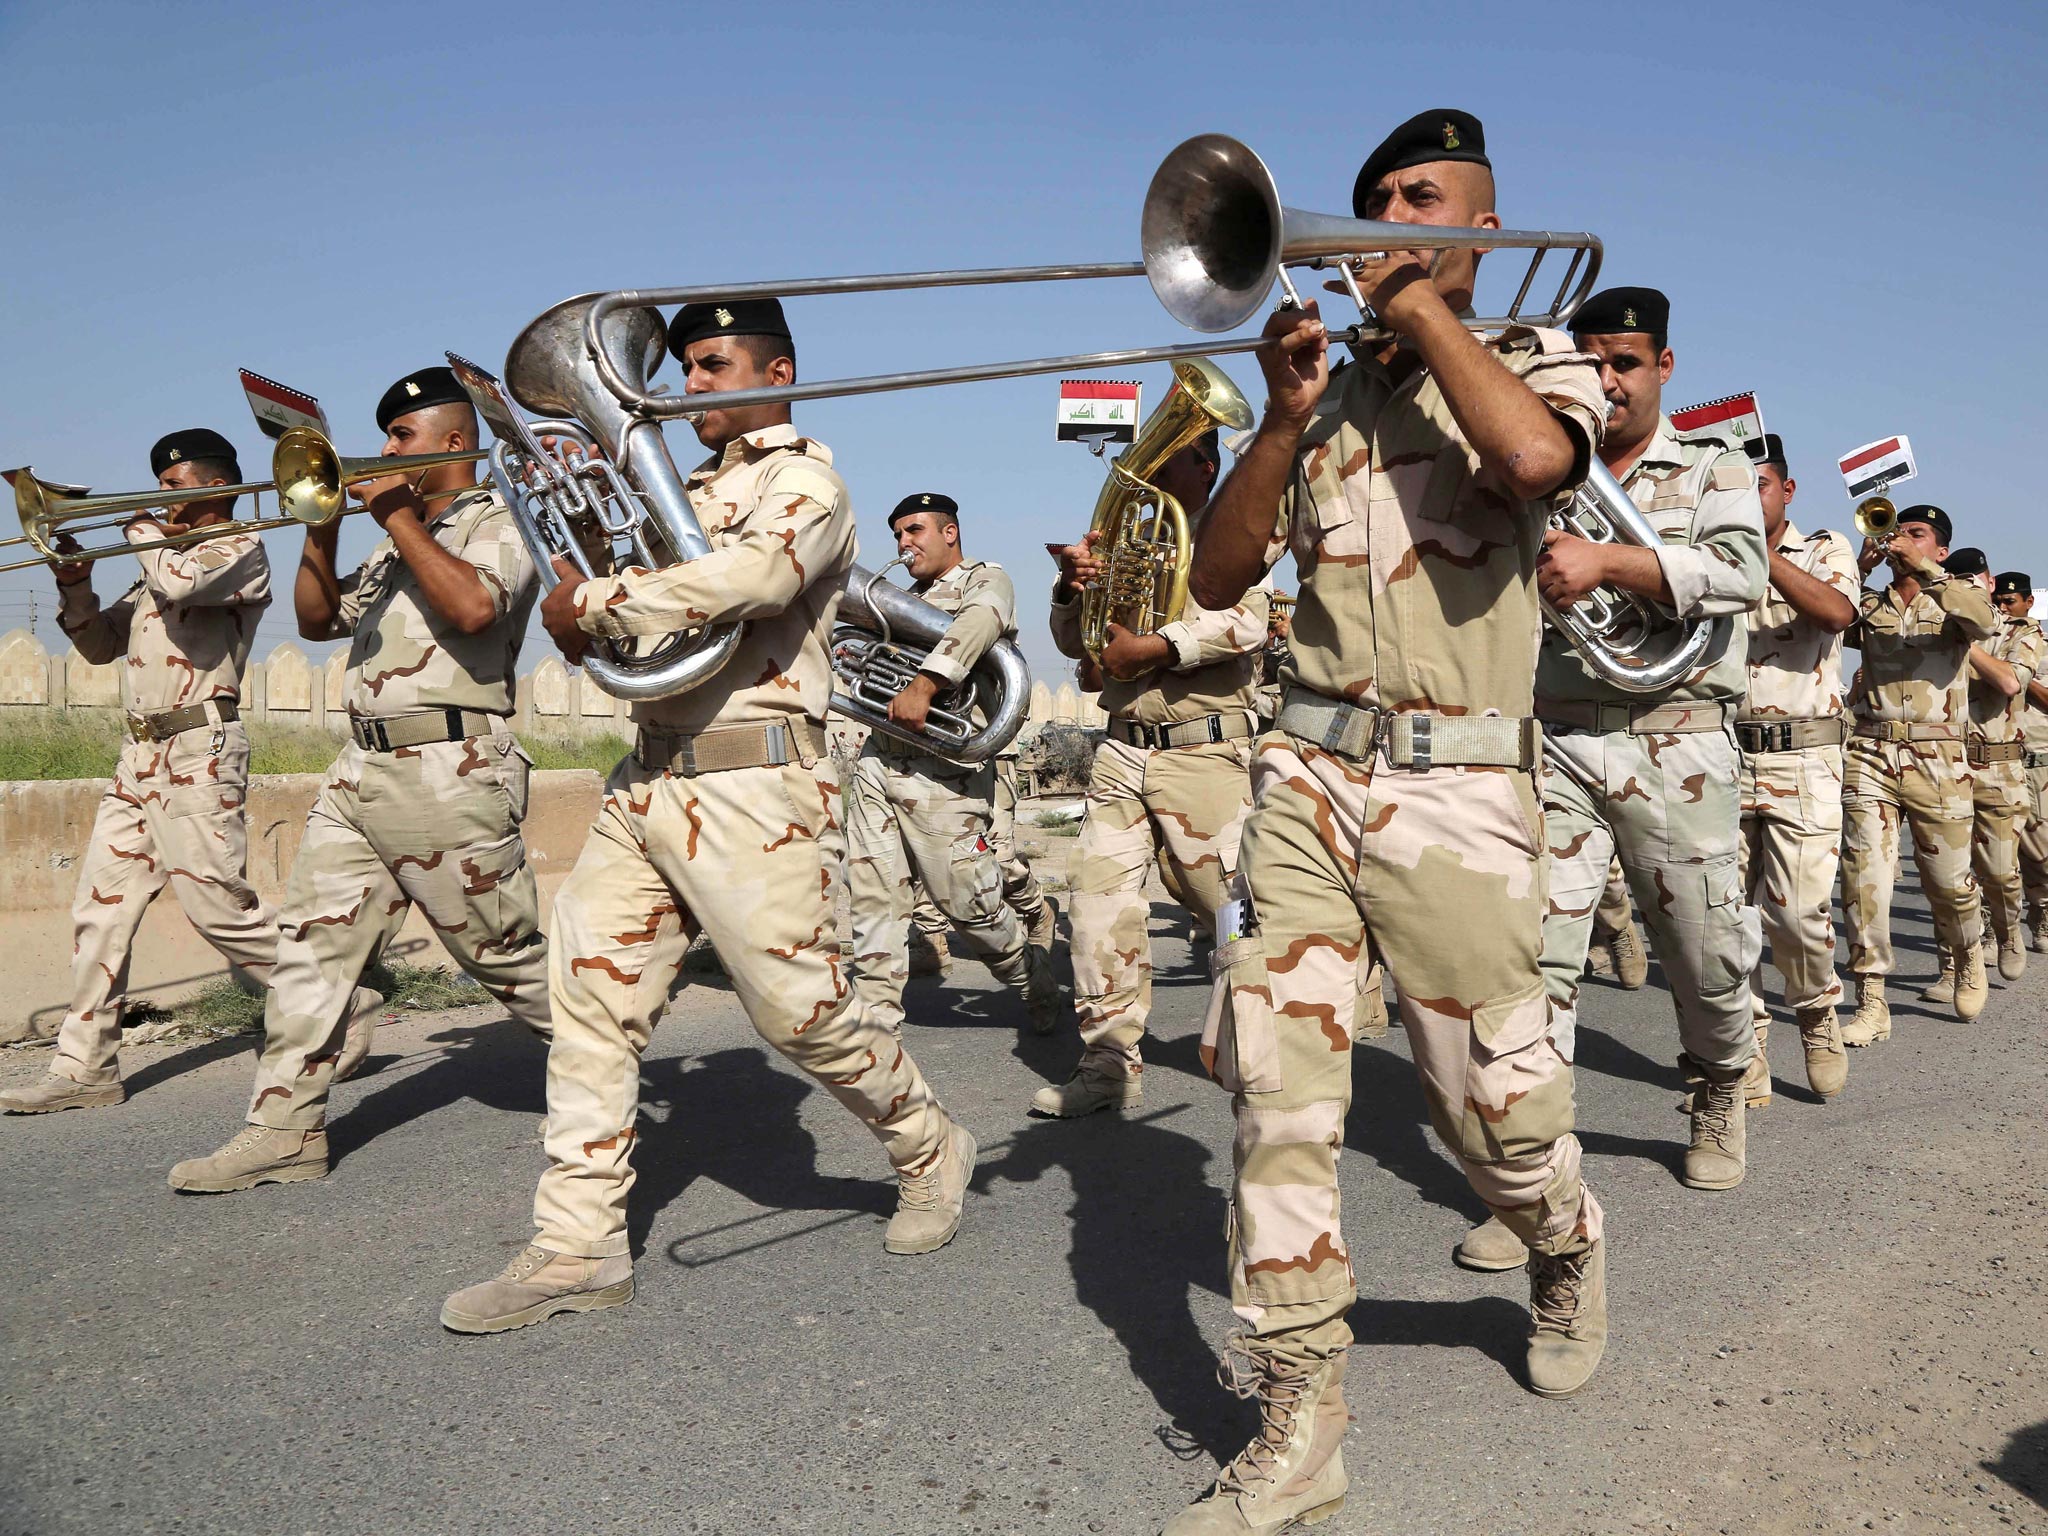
[537,1285]
[2012,955]
[1292,1473]
[1872,1020]
[257,1155]
[1756,1082]
[1631,960]
[1089,1089]
[930,955]
[1942,989]
[2037,929]
[363,1019]
[1973,987]
[1600,959]
[1045,928]
[1827,1063]
[1567,1319]
[928,1204]
[57,1092]
[1716,1159]
[1490,1248]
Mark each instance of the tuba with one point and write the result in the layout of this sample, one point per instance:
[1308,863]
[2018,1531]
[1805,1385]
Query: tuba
[879,645]
[1146,545]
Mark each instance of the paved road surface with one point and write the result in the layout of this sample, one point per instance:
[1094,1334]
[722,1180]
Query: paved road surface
[1852,1341]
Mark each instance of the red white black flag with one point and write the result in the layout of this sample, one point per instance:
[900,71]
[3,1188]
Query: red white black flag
[1876,465]
[1098,410]
[278,406]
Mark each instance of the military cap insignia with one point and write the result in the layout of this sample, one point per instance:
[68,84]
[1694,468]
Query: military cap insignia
[1450,135]
[177,454]
[723,317]
[411,388]
[924,501]
[1628,318]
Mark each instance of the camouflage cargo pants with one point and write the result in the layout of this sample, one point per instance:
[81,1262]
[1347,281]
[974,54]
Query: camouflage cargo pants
[1667,806]
[2034,841]
[1020,885]
[1444,868]
[2000,800]
[1185,806]
[919,819]
[172,817]
[1791,850]
[751,858]
[435,827]
[1928,784]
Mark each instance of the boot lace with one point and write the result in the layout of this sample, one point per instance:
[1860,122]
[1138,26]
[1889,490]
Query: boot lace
[920,1191]
[1713,1107]
[530,1260]
[1281,1387]
[1623,944]
[1554,1289]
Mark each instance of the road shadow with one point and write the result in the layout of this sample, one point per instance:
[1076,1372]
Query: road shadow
[494,1062]
[1389,1123]
[1493,1325]
[190,1058]
[1147,1227]
[2024,1462]
[1609,1055]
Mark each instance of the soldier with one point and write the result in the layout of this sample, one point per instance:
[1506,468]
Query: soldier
[424,803]
[2013,596]
[929,952]
[1790,727]
[1170,780]
[723,820]
[1397,794]
[910,813]
[2000,670]
[1906,759]
[174,811]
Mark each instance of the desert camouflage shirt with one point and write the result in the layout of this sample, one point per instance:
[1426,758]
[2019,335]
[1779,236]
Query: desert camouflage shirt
[1700,496]
[1418,585]
[185,627]
[1994,716]
[1214,668]
[405,656]
[1795,666]
[980,596]
[781,530]
[1916,655]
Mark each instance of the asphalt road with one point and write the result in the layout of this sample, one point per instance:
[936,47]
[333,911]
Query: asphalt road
[1851,1341]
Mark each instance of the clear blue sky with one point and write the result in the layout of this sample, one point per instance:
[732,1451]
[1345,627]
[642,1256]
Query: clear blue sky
[1844,202]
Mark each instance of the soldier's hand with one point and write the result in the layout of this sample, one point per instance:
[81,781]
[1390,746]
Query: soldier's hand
[70,572]
[1568,568]
[1079,564]
[1127,656]
[558,613]
[1296,363]
[910,708]
[385,496]
[1391,284]
[1870,556]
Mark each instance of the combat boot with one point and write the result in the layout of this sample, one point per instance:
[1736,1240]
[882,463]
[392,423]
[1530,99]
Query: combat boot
[1756,1082]
[1872,1020]
[1292,1473]
[2012,955]
[1716,1158]
[57,1092]
[1042,991]
[1972,985]
[1089,1089]
[1631,961]
[537,1285]
[1600,959]
[1827,1064]
[1489,1248]
[1567,1319]
[1045,928]
[2037,929]
[1943,988]
[929,953]
[928,1203]
[362,1029]
[257,1155]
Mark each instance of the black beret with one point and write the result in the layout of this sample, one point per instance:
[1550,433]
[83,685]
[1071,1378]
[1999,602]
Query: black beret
[1967,561]
[193,443]
[736,317]
[1769,450]
[418,391]
[926,501]
[1612,311]
[1442,133]
[2012,581]
[1926,512]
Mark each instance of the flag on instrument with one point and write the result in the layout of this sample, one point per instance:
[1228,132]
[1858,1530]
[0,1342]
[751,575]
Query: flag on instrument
[1098,411]
[1737,419]
[1876,465]
[278,406]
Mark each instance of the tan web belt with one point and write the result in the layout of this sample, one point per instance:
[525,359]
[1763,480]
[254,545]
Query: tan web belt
[1903,730]
[1411,738]
[1636,719]
[1790,735]
[166,723]
[768,744]
[387,733]
[1203,731]
[1982,754]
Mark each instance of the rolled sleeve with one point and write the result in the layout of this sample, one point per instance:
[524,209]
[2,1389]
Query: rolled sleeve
[1726,567]
[501,560]
[1066,623]
[1207,636]
[987,611]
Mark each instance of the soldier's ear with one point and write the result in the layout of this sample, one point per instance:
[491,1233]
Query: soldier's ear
[1791,487]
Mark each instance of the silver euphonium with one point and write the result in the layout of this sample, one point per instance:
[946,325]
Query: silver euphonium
[879,645]
[1631,642]
[619,501]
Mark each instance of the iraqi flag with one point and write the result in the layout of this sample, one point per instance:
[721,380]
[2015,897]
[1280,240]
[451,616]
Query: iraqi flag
[278,406]
[1736,419]
[1876,465]
[1092,410]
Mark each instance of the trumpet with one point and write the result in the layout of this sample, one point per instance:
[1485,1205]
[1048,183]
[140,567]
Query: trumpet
[1877,519]
[309,477]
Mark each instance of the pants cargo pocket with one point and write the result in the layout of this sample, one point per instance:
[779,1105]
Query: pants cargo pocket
[513,769]
[1240,1047]
[1518,1090]
[977,878]
[1731,933]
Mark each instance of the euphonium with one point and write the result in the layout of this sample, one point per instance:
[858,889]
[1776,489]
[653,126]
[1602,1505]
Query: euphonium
[1145,544]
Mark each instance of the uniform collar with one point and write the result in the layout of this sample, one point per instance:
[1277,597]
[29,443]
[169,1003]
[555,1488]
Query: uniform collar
[750,446]
[953,577]
[1790,538]
[461,499]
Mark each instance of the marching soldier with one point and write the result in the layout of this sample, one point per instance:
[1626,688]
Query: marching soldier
[174,812]
[2013,596]
[910,813]
[423,805]
[1790,727]
[1396,796]
[1654,781]
[2000,670]
[1906,761]
[929,953]
[1170,780]
[723,820]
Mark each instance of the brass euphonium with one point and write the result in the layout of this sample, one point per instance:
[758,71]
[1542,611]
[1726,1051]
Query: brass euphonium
[1146,545]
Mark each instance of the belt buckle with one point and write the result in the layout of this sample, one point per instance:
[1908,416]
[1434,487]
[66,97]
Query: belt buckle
[778,746]
[138,728]
[1419,732]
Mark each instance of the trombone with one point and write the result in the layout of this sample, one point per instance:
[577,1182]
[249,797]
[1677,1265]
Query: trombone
[309,476]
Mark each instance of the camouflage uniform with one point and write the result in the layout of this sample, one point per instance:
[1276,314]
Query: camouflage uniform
[1420,825]
[1170,780]
[748,855]
[1020,886]
[174,813]
[2034,829]
[914,817]
[434,825]
[2000,791]
[1792,794]
[1905,758]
